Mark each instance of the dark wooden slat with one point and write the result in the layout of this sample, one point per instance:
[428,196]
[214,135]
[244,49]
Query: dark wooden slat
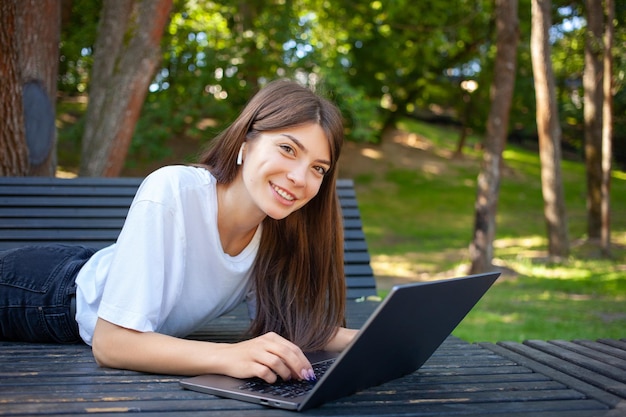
[70,191]
[55,223]
[79,183]
[604,348]
[62,212]
[354,223]
[357,258]
[570,374]
[91,243]
[598,367]
[61,201]
[359,269]
[62,234]
[599,355]
[361,282]
[620,344]
[350,212]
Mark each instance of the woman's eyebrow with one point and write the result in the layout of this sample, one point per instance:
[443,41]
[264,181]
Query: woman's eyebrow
[302,147]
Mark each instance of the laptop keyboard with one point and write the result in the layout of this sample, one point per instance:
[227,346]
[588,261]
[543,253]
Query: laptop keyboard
[287,389]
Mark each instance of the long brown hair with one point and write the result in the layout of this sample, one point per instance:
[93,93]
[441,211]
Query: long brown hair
[298,272]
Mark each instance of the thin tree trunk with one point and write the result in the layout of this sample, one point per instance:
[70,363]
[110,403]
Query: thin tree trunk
[481,248]
[13,150]
[593,99]
[607,130]
[465,117]
[126,55]
[549,130]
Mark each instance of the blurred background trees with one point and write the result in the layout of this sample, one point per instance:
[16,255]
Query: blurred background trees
[180,70]
[380,60]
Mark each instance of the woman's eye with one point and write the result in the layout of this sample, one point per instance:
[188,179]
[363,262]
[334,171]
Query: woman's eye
[287,149]
[321,170]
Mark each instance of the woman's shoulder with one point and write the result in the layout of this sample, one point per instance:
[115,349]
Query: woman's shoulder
[182,173]
[174,179]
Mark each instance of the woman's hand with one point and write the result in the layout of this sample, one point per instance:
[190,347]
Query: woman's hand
[268,356]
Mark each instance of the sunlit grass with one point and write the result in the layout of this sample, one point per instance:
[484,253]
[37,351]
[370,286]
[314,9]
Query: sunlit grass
[419,224]
[549,308]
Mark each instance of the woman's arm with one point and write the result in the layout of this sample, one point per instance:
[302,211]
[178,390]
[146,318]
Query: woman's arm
[341,340]
[266,357]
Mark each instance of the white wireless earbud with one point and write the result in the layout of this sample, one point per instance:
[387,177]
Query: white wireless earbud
[240,154]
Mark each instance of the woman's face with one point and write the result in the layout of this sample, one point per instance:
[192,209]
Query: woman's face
[283,169]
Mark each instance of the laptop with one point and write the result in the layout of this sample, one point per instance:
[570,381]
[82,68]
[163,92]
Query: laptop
[396,340]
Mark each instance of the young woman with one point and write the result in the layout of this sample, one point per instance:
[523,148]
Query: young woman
[258,220]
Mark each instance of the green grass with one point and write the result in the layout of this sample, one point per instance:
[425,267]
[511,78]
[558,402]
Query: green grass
[552,303]
[418,223]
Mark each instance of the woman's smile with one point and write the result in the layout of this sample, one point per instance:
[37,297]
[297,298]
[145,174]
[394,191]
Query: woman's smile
[284,194]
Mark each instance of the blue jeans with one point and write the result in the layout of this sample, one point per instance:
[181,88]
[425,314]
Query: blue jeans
[37,289]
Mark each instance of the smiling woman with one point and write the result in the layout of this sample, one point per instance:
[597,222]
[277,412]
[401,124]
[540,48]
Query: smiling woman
[257,220]
[278,114]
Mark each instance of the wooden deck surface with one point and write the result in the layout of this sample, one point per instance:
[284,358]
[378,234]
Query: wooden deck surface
[568,379]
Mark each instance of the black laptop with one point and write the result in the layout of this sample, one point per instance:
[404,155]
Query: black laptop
[403,332]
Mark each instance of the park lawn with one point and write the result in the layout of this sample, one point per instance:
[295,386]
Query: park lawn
[580,299]
[419,222]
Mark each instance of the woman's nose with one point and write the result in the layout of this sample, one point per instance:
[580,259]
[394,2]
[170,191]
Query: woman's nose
[297,175]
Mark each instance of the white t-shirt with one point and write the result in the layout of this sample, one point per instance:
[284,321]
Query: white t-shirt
[167,272]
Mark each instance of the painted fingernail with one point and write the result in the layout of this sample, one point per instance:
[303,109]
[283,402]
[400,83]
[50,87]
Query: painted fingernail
[308,375]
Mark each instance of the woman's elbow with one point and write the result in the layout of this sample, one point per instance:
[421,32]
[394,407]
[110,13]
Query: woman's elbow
[99,358]
[99,350]
[103,344]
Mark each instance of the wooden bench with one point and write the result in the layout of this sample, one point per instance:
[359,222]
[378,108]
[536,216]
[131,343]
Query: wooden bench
[91,211]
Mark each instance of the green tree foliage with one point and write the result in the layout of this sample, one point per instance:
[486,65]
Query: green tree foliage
[216,55]
[78,34]
[378,59]
[411,57]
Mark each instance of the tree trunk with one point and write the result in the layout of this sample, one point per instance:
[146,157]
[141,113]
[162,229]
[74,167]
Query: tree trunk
[607,130]
[13,150]
[30,65]
[593,98]
[126,54]
[465,117]
[481,248]
[40,33]
[549,130]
